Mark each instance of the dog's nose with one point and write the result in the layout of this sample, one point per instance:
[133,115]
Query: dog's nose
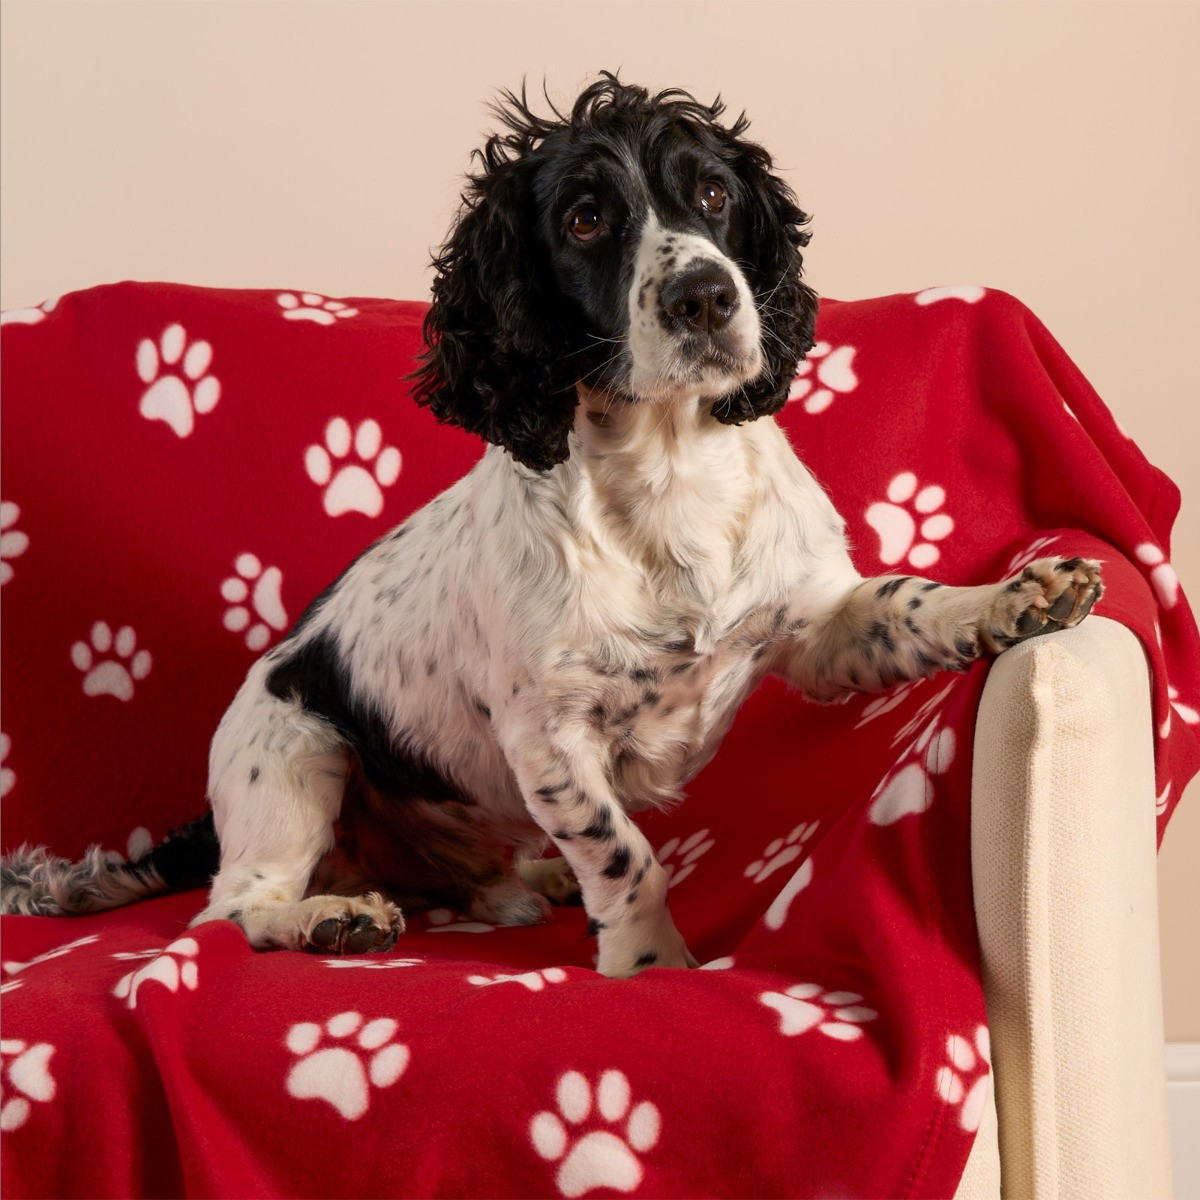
[702,299]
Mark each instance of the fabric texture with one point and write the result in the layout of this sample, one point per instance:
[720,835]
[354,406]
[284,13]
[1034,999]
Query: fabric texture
[1067,909]
[184,469]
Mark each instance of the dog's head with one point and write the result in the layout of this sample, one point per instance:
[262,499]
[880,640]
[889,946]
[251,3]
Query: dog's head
[636,247]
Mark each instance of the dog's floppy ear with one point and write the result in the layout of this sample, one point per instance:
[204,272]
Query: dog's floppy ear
[787,307]
[495,360]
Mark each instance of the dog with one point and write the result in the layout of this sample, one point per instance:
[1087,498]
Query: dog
[564,636]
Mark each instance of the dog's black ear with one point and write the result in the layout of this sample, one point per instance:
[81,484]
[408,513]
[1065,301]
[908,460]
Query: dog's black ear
[774,234]
[495,360]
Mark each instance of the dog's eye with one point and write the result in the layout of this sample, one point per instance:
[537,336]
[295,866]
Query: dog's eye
[712,196]
[585,223]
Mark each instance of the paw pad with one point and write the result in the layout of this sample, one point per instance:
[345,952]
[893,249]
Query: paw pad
[256,604]
[107,676]
[590,1157]
[838,1015]
[905,534]
[679,859]
[179,385]
[352,487]
[962,1082]
[309,306]
[362,1055]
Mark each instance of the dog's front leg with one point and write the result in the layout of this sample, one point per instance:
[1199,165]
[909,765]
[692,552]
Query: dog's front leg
[895,628]
[624,888]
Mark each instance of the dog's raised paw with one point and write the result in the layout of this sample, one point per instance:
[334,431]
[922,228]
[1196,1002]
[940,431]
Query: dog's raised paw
[1049,594]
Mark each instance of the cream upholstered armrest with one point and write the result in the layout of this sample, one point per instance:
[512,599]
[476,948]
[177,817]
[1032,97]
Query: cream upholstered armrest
[1063,855]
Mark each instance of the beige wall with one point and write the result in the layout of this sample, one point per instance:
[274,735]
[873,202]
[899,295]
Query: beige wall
[1049,149]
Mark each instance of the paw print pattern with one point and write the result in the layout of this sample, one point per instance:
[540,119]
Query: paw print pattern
[780,852]
[1030,554]
[909,788]
[26,1080]
[1162,575]
[679,858]
[589,1157]
[364,1055]
[309,306]
[8,777]
[179,385]
[174,967]
[964,1080]
[29,316]
[838,1015]
[360,964]
[442,920]
[898,528]
[13,543]
[834,371]
[968,293]
[535,981]
[111,676]
[351,487]
[255,600]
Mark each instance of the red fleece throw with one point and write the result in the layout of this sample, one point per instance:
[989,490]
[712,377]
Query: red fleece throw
[184,469]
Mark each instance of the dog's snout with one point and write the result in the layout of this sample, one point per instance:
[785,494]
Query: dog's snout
[702,299]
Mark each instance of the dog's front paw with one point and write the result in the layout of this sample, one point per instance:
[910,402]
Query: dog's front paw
[625,953]
[1050,594]
[341,925]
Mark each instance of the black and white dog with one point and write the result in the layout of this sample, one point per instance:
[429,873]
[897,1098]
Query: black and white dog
[564,636]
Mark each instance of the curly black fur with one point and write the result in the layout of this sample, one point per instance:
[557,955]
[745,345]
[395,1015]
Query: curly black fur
[515,323]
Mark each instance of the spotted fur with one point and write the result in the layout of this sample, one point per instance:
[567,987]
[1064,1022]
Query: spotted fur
[564,636]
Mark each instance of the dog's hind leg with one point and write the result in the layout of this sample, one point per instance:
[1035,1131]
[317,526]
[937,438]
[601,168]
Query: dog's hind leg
[275,797]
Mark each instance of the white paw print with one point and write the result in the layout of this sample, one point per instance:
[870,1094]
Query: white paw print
[776,916]
[838,1015]
[29,316]
[8,777]
[12,968]
[605,1157]
[781,851]
[1162,801]
[964,1062]
[179,383]
[174,967]
[1162,575]
[364,1056]
[897,527]
[382,964]
[442,920]
[1034,551]
[13,543]
[834,377]
[350,487]
[685,855]
[909,789]
[309,306]
[26,1079]
[111,677]
[969,293]
[254,611]
[535,981]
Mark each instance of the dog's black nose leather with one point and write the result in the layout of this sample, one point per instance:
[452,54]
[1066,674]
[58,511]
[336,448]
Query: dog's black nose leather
[703,298]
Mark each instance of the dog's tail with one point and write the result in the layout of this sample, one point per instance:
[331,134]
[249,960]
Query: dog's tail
[36,883]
